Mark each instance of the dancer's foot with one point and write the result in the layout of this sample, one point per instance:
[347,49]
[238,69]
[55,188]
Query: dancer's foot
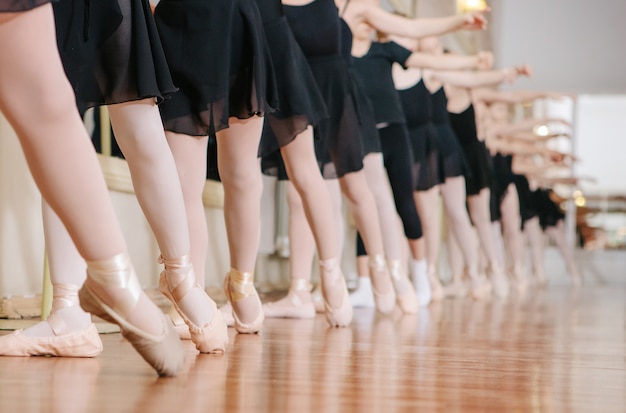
[520,279]
[206,326]
[337,307]
[363,296]
[179,324]
[318,298]
[247,306]
[480,287]
[436,289]
[67,332]
[297,304]
[405,292]
[456,289]
[227,313]
[382,287]
[112,292]
[499,282]
[421,283]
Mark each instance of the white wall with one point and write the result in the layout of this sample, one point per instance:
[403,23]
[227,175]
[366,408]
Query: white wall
[574,45]
[600,142]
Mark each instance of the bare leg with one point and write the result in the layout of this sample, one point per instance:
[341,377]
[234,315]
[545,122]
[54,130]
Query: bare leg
[241,175]
[428,207]
[557,234]
[363,207]
[533,233]
[481,217]
[457,287]
[32,80]
[453,194]
[140,135]
[512,232]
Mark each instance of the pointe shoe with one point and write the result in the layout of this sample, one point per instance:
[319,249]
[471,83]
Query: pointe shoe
[331,277]
[456,289]
[164,352]
[436,289]
[213,336]
[227,313]
[499,282]
[238,286]
[480,288]
[83,343]
[293,306]
[521,280]
[179,324]
[379,274]
[405,292]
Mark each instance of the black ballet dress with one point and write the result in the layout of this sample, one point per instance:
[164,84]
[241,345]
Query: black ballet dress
[111,51]
[476,153]
[219,59]
[15,6]
[549,212]
[338,145]
[374,69]
[502,177]
[300,102]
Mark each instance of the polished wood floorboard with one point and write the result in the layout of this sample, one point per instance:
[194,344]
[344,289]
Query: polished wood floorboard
[556,350]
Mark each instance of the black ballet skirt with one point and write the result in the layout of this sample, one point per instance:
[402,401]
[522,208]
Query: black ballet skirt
[300,102]
[111,51]
[14,6]
[452,158]
[338,145]
[367,120]
[527,205]
[437,154]
[549,211]
[219,59]
[476,152]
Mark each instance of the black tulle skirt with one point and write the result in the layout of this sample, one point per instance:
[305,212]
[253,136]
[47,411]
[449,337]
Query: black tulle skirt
[14,6]
[527,204]
[480,166]
[549,212]
[219,59]
[111,51]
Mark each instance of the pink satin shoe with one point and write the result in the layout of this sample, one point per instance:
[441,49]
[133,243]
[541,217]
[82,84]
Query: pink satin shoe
[213,336]
[116,277]
[239,286]
[379,274]
[331,277]
[405,292]
[293,305]
[83,343]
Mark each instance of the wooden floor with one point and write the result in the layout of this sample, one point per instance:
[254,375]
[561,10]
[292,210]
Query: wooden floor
[556,350]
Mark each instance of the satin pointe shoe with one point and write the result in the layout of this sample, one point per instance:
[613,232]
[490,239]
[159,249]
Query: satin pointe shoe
[481,288]
[116,277]
[68,332]
[297,304]
[239,286]
[499,282]
[405,292]
[212,337]
[179,324]
[83,343]
[332,278]
[379,274]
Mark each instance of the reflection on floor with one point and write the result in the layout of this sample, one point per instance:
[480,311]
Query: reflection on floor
[553,350]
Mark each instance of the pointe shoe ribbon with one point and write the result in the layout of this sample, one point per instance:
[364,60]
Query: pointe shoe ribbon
[385,301]
[405,292]
[239,286]
[116,277]
[331,277]
[213,336]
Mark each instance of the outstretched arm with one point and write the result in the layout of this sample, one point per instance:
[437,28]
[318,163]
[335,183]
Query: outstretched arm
[390,23]
[481,60]
[479,78]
